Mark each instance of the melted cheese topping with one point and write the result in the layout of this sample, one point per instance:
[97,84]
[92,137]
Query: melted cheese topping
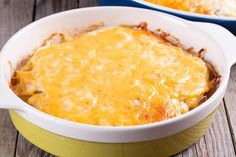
[211,7]
[113,76]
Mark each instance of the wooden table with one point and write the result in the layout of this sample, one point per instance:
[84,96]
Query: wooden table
[15,14]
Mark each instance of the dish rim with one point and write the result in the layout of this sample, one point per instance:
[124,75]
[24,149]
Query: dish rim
[185,13]
[28,108]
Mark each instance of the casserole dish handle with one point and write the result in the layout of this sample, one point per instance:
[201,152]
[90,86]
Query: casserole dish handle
[8,99]
[223,37]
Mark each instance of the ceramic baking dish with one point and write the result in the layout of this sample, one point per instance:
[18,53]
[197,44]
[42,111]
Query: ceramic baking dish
[66,138]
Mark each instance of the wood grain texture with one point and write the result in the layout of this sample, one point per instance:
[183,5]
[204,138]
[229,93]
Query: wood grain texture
[13,16]
[178,155]
[218,138]
[8,135]
[47,7]
[42,9]
[230,103]
[201,148]
[198,149]
[191,151]
[26,149]
[87,3]
[10,23]
[216,142]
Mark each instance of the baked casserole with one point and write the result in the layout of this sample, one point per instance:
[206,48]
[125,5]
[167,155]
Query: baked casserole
[209,7]
[115,76]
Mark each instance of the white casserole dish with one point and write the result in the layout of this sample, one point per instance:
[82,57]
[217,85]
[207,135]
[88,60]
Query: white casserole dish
[218,41]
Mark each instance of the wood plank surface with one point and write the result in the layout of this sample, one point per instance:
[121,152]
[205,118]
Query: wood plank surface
[26,149]
[201,147]
[191,151]
[218,141]
[87,3]
[230,103]
[47,7]
[14,15]
[8,135]
[10,22]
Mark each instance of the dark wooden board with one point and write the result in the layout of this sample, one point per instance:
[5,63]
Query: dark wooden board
[230,103]
[87,3]
[13,16]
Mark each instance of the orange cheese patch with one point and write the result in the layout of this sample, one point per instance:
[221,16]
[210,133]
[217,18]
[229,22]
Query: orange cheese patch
[114,76]
[211,7]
